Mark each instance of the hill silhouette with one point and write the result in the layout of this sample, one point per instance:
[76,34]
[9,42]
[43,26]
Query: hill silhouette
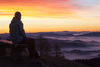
[95,62]
[44,61]
[47,61]
[91,34]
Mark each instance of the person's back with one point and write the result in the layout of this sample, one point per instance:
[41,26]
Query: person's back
[15,34]
[16,29]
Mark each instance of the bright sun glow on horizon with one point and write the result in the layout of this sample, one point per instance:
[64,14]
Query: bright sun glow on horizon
[52,15]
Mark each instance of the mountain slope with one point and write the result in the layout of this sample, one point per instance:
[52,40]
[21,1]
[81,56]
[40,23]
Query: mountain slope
[47,61]
[58,62]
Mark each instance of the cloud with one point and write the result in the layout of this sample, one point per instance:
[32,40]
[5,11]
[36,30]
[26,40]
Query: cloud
[66,9]
[5,13]
[50,8]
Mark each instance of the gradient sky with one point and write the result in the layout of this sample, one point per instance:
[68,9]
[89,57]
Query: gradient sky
[52,15]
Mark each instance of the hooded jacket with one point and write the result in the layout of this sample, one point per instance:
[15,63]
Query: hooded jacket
[17,32]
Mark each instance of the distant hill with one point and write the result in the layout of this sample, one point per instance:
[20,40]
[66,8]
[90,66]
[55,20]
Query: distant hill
[62,44]
[97,34]
[78,41]
[81,52]
[72,32]
[55,34]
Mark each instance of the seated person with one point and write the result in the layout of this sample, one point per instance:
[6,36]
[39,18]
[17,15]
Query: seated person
[18,35]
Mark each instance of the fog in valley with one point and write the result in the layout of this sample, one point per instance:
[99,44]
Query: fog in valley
[74,45]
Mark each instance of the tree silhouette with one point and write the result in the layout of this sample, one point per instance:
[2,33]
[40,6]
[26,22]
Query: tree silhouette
[43,45]
[0,37]
[57,51]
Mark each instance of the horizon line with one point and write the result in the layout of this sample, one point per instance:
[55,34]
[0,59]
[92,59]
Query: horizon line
[56,31]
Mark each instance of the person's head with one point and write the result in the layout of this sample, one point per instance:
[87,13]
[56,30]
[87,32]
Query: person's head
[18,15]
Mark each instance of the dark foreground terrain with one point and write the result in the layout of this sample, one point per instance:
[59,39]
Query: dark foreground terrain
[5,61]
[94,62]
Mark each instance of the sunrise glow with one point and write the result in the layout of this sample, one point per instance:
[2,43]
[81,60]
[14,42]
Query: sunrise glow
[52,15]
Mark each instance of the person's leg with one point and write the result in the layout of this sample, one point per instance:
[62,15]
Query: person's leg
[32,48]
[31,43]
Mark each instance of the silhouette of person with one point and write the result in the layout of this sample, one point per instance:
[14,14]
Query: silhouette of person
[18,35]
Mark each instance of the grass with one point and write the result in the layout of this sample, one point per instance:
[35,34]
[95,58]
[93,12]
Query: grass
[5,61]
[58,62]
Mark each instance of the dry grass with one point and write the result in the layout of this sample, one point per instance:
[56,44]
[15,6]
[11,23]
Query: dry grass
[47,61]
[58,62]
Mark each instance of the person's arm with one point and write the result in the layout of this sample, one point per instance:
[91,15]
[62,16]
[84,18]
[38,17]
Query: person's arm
[21,30]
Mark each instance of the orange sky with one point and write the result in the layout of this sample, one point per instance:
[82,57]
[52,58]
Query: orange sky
[52,15]
[38,8]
